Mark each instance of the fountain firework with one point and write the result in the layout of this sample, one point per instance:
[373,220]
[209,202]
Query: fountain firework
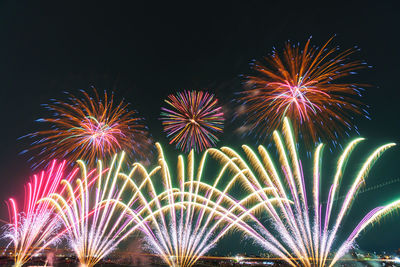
[94,225]
[182,223]
[306,231]
[33,228]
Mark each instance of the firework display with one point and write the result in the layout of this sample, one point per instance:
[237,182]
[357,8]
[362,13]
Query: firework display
[192,120]
[178,215]
[304,231]
[305,84]
[33,228]
[94,225]
[90,128]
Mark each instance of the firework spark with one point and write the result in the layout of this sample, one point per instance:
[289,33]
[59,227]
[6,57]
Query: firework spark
[94,225]
[304,84]
[182,223]
[91,128]
[33,228]
[306,231]
[193,120]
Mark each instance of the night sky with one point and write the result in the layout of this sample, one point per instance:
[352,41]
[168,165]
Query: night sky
[143,52]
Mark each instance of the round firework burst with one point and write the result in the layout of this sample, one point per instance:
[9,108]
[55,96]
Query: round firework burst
[91,128]
[193,120]
[305,85]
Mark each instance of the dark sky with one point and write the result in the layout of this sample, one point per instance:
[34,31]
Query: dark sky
[143,52]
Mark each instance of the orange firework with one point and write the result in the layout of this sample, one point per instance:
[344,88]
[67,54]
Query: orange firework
[91,128]
[305,85]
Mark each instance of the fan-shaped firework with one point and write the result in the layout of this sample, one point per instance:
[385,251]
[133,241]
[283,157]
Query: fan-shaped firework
[32,229]
[90,128]
[192,120]
[182,223]
[93,224]
[306,231]
[304,84]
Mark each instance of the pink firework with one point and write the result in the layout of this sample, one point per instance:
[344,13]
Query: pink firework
[34,227]
[193,120]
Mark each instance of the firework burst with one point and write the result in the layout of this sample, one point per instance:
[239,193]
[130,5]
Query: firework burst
[193,120]
[91,128]
[33,228]
[304,84]
[306,231]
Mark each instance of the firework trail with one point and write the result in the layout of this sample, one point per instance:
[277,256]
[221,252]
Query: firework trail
[306,234]
[33,228]
[94,225]
[304,84]
[192,120]
[371,188]
[182,223]
[90,128]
